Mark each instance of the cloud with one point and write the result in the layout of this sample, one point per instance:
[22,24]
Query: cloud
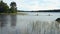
[44,5]
[37,4]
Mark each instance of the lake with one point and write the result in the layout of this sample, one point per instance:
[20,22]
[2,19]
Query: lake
[22,24]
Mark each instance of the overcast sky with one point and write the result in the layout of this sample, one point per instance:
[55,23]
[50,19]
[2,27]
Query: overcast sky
[35,4]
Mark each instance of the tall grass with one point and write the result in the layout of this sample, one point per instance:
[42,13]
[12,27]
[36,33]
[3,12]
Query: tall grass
[45,27]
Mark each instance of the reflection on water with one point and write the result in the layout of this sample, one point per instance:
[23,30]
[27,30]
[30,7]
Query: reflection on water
[4,20]
[13,20]
[18,24]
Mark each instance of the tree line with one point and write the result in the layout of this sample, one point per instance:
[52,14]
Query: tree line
[4,8]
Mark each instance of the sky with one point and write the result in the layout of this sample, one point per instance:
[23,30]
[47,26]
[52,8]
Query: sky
[34,5]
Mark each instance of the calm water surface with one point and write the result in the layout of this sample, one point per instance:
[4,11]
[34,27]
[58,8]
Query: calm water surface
[20,24]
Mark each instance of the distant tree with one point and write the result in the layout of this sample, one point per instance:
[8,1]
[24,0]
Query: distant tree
[3,7]
[13,8]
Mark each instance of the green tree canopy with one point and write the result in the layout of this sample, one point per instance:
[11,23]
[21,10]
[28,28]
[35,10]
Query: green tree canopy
[3,7]
[13,8]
